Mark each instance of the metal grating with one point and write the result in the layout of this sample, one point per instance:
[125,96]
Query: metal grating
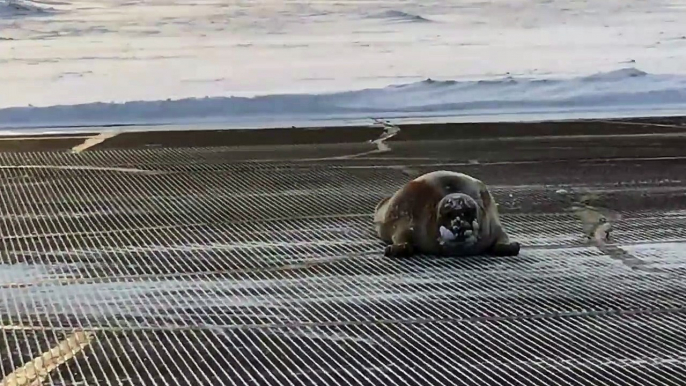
[185,267]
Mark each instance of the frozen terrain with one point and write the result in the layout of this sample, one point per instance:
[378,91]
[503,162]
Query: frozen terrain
[280,63]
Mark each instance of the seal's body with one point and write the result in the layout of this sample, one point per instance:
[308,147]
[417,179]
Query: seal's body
[442,213]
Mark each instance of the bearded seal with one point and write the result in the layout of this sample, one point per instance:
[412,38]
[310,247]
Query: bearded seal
[442,213]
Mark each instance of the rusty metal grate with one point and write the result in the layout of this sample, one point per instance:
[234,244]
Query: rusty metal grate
[184,267]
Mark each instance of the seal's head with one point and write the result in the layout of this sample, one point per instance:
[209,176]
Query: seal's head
[457,218]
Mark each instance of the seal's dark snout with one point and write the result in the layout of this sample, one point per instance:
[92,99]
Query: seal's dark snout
[455,205]
[458,213]
[458,207]
[462,219]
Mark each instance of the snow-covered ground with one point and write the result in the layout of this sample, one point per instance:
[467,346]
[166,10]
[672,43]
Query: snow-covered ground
[188,61]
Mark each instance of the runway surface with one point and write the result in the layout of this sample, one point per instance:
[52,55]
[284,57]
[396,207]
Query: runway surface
[234,258]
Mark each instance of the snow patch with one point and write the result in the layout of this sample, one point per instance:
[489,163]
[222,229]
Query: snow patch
[69,52]
[624,89]
[23,8]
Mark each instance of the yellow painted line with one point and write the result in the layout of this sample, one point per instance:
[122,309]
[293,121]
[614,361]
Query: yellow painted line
[35,372]
[92,141]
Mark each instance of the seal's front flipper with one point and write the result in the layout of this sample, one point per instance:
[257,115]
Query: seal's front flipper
[399,250]
[503,246]
[402,243]
[509,249]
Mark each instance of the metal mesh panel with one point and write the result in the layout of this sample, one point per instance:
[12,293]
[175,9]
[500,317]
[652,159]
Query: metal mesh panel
[187,267]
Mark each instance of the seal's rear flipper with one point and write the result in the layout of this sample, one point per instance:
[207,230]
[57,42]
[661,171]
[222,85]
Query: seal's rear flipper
[402,243]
